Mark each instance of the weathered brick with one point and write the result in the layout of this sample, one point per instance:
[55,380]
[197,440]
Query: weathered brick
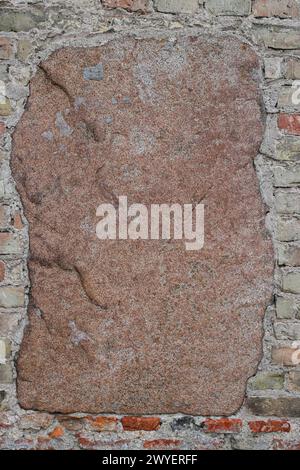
[287,202]
[273,67]
[103,423]
[288,229]
[278,8]
[9,244]
[280,444]
[2,396]
[5,107]
[288,255]
[20,20]
[130,5]
[292,70]
[267,381]
[223,425]
[291,282]
[36,421]
[134,423]
[17,221]
[288,98]
[271,425]
[176,6]
[6,375]
[284,406]
[288,149]
[162,444]
[8,323]
[2,128]
[4,217]
[286,356]
[6,49]
[289,123]
[2,271]
[229,7]
[285,308]
[5,350]
[287,330]
[71,423]
[12,297]
[293,382]
[57,432]
[278,38]
[24,49]
[286,176]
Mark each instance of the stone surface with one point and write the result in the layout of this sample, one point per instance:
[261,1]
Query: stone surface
[143,327]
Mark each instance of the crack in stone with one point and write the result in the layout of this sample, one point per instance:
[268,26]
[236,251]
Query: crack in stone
[55,83]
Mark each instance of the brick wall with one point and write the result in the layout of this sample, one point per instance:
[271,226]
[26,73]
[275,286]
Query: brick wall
[269,417]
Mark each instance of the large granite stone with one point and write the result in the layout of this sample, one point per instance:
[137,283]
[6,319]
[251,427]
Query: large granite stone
[143,326]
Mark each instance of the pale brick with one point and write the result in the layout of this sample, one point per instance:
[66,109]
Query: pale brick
[293,69]
[8,323]
[291,282]
[24,49]
[6,49]
[288,229]
[284,406]
[279,38]
[285,308]
[278,8]
[285,176]
[2,396]
[12,297]
[267,381]
[289,98]
[176,6]
[229,7]
[287,202]
[293,383]
[273,66]
[6,375]
[288,149]
[9,244]
[5,108]
[288,255]
[20,20]
[287,330]
[4,217]
[5,350]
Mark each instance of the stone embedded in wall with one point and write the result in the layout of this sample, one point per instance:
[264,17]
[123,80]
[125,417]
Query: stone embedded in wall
[143,327]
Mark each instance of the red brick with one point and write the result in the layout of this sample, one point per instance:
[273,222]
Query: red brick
[271,425]
[2,271]
[133,423]
[6,49]
[278,8]
[223,425]
[290,123]
[2,128]
[87,443]
[57,432]
[103,423]
[162,444]
[130,5]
